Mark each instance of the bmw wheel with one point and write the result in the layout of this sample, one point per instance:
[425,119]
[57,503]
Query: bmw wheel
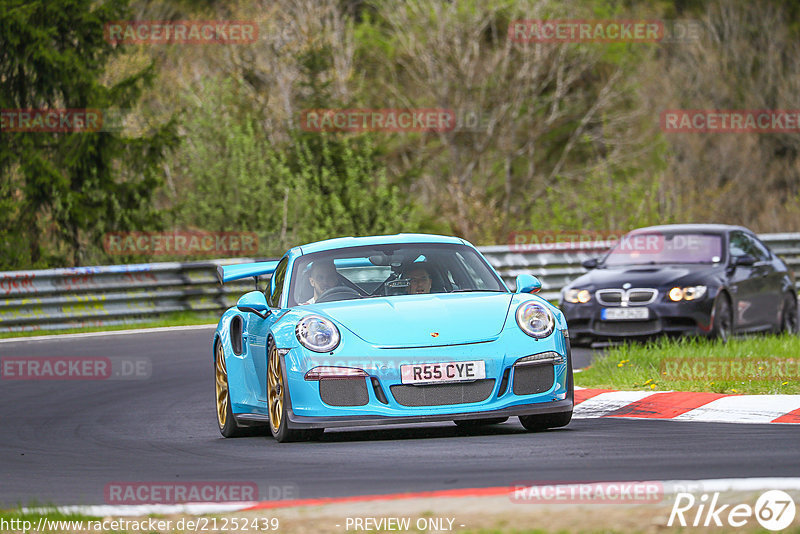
[723,319]
[789,314]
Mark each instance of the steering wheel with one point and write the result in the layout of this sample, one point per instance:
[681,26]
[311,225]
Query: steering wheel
[338,293]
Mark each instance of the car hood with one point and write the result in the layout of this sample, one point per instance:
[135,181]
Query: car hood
[646,275]
[423,320]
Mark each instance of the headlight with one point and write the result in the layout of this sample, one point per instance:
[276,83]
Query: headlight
[677,294]
[576,296]
[317,333]
[535,319]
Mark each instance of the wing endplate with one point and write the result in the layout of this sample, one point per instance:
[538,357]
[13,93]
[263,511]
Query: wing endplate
[227,273]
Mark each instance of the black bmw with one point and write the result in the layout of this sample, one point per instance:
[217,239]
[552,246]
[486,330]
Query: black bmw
[696,279]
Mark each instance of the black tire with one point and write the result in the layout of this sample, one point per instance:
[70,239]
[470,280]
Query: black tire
[226,422]
[279,402]
[722,329]
[474,423]
[789,314]
[539,422]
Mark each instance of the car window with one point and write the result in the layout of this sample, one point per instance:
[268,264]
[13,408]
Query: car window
[393,270]
[643,248]
[742,244]
[738,245]
[759,251]
[277,288]
[469,266]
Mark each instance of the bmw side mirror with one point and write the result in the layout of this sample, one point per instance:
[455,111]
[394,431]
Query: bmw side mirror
[254,302]
[590,263]
[527,283]
[747,260]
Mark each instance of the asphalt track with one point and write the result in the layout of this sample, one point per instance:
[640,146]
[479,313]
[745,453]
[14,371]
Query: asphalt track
[62,442]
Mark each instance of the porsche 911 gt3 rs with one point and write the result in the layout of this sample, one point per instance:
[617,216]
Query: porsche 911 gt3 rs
[386,330]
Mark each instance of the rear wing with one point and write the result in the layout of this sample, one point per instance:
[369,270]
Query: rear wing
[227,273]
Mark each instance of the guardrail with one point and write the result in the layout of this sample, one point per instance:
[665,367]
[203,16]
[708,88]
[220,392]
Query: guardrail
[56,299]
[110,295]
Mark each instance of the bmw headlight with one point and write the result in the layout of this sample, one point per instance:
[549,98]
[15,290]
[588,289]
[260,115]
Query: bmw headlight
[676,294]
[577,296]
[535,319]
[317,333]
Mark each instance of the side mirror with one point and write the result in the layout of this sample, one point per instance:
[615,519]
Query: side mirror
[254,302]
[591,263]
[747,260]
[527,283]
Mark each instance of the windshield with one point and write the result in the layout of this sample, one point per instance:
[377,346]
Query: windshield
[653,248]
[389,271]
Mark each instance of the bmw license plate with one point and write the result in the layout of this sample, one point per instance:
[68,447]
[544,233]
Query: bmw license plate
[425,373]
[624,314]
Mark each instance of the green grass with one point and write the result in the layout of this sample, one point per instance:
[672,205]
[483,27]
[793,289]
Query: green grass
[167,319]
[34,511]
[753,365]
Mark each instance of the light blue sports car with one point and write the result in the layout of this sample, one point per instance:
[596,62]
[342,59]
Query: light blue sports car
[386,330]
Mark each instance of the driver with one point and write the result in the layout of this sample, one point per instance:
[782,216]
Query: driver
[420,280]
[322,277]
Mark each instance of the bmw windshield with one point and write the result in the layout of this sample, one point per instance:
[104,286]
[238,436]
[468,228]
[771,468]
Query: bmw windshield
[642,248]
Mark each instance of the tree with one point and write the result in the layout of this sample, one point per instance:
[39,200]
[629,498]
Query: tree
[70,187]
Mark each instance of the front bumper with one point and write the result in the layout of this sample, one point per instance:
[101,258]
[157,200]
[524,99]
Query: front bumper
[565,405]
[665,318]
[386,400]
[302,422]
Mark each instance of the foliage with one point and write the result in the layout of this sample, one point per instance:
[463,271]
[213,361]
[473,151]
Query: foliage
[62,190]
[566,137]
[767,364]
[312,187]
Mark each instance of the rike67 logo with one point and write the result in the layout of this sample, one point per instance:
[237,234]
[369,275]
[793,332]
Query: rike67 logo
[774,510]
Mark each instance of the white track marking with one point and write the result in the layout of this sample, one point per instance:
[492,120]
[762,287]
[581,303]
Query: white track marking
[711,485]
[670,487]
[67,337]
[104,510]
[743,409]
[606,403]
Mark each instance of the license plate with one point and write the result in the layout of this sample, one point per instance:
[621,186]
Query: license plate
[426,373]
[624,314]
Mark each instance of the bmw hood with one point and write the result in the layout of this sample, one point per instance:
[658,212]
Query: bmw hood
[423,320]
[645,276]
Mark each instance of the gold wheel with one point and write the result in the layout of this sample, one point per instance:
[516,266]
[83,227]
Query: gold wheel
[221,375]
[276,393]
